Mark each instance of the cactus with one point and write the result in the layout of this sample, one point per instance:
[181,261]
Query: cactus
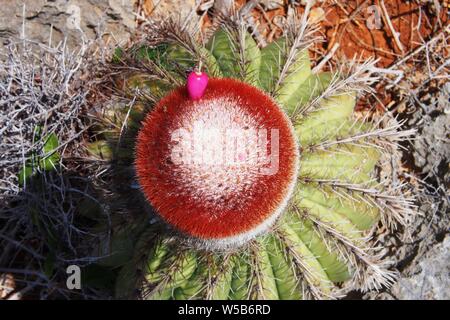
[311,240]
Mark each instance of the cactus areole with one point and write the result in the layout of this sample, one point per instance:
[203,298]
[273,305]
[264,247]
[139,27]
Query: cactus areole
[219,165]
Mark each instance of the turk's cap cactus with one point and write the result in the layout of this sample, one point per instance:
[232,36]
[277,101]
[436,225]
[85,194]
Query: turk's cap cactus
[204,164]
[300,233]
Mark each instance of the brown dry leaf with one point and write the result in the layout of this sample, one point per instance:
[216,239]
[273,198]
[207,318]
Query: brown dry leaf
[317,15]
[147,7]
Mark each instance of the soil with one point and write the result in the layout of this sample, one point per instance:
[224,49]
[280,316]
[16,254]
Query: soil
[349,25]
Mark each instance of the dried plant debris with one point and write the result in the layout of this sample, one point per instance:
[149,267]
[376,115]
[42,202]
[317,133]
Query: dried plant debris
[7,285]
[41,99]
[42,102]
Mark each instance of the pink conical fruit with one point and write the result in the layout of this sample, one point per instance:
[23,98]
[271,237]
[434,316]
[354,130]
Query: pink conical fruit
[196,84]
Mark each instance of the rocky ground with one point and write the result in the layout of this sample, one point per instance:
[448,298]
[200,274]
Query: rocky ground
[420,251]
[423,258]
[51,21]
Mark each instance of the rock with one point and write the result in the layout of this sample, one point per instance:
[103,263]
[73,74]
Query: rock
[432,280]
[420,249]
[433,146]
[73,19]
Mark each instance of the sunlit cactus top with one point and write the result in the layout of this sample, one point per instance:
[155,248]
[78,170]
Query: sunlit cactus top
[219,168]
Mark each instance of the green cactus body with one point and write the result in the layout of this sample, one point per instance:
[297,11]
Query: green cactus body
[300,253]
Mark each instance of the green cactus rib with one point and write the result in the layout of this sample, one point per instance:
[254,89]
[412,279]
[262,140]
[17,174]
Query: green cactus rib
[335,269]
[330,109]
[283,270]
[327,214]
[299,85]
[265,278]
[174,58]
[178,294]
[151,268]
[193,288]
[221,282]
[100,149]
[189,61]
[176,275]
[241,279]
[169,57]
[289,92]
[146,85]
[313,271]
[212,66]
[119,246]
[330,131]
[225,52]
[345,162]
[252,57]
[272,58]
[126,282]
[360,213]
[227,55]
[311,88]
[127,279]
